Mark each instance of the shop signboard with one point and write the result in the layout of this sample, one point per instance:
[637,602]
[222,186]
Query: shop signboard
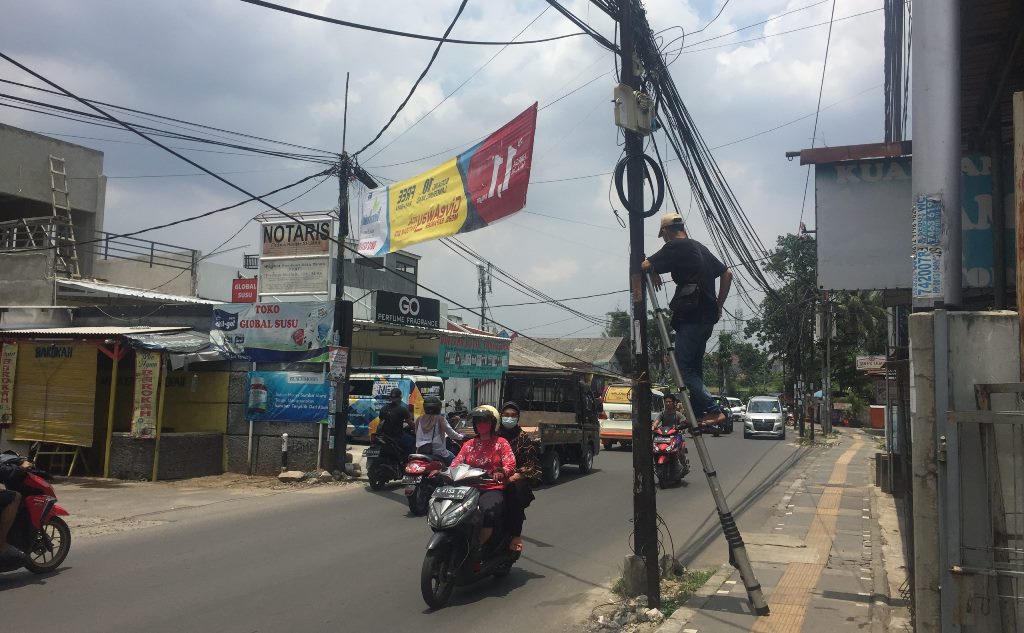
[274,332]
[295,256]
[244,290]
[870,363]
[401,309]
[480,186]
[288,396]
[8,365]
[476,357]
[147,380]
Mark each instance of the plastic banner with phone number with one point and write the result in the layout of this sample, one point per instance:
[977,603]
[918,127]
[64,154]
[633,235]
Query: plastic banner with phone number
[479,186]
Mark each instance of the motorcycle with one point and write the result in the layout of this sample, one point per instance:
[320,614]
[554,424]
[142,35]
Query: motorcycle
[671,459]
[419,487]
[457,414]
[385,461]
[38,531]
[454,554]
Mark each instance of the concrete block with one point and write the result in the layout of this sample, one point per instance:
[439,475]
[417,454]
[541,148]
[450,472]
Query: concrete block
[291,476]
[182,456]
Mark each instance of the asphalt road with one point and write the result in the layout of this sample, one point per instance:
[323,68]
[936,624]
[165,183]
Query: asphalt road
[348,559]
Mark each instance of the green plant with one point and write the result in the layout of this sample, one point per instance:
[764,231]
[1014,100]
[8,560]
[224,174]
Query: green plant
[675,593]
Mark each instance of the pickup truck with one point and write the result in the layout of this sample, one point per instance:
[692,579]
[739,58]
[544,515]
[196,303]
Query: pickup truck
[560,409]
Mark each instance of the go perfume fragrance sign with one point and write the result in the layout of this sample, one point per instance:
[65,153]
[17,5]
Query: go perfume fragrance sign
[288,396]
[399,309]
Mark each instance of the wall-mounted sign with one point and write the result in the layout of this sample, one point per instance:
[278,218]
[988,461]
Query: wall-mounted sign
[290,238]
[295,256]
[295,276]
[8,365]
[288,396]
[244,290]
[399,309]
[870,363]
[147,379]
[274,332]
[466,357]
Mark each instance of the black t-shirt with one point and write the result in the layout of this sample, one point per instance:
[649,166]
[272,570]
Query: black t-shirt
[393,419]
[683,259]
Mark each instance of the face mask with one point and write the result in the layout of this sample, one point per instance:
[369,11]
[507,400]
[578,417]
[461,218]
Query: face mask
[509,423]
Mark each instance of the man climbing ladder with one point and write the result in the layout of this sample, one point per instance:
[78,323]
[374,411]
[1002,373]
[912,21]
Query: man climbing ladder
[679,260]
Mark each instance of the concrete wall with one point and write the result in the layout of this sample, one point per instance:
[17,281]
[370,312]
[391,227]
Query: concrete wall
[182,456]
[982,348]
[25,169]
[26,279]
[139,274]
[215,280]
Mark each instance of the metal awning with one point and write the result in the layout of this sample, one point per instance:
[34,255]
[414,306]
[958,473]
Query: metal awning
[183,347]
[91,332]
[81,289]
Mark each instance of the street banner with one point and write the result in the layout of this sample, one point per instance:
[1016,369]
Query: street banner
[274,332]
[484,184]
[288,396]
[339,363]
[464,357]
[8,365]
[147,379]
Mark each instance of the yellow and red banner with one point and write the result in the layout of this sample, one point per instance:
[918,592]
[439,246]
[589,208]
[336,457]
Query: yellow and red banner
[484,184]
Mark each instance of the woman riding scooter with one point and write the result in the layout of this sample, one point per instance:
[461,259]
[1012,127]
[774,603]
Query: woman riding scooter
[493,454]
[519,491]
[431,430]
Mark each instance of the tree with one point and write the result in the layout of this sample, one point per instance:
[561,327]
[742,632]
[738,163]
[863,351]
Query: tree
[619,325]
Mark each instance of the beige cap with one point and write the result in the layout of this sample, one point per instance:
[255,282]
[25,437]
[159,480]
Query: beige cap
[673,220]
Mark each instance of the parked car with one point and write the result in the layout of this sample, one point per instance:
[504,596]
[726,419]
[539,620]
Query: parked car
[617,416]
[764,417]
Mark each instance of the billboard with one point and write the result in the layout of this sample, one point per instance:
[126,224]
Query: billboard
[484,184]
[295,256]
[274,332]
[288,238]
[866,236]
[288,396]
[465,357]
[400,309]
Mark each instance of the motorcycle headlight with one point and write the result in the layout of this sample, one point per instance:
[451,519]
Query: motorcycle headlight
[458,513]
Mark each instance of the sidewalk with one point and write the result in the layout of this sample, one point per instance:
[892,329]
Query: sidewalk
[819,559]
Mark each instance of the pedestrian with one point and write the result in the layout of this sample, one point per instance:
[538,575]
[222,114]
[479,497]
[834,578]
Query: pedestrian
[695,307]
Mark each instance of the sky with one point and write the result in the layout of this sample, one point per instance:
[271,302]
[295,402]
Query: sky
[245,68]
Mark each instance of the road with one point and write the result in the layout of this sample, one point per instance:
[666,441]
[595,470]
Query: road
[349,559]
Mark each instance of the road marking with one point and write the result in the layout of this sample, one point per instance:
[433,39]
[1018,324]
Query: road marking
[730,582]
[792,595]
[724,592]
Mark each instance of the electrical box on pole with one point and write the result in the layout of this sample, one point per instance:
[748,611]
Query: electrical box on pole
[634,110]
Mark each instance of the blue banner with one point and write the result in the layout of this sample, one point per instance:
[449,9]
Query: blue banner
[288,396]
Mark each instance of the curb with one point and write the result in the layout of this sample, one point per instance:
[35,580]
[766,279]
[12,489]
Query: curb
[696,602]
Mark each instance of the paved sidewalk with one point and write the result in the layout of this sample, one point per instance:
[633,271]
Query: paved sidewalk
[818,558]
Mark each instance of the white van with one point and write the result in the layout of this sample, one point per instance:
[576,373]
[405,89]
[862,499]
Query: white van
[617,416]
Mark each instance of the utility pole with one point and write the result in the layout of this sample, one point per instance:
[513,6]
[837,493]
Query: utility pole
[645,527]
[810,372]
[343,309]
[723,364]
[483,287]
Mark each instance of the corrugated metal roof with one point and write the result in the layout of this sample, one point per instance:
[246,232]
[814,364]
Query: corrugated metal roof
[91,331]
[126,291]
[520,357]
[572,352]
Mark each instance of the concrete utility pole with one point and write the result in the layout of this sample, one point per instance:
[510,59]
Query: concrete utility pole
[645,527]
[483,287]
[935,62]
[1018,180]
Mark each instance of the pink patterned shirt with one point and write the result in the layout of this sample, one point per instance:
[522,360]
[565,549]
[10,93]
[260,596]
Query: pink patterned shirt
[490,455]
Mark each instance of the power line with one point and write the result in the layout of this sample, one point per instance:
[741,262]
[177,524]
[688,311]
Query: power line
[533,303]
[717,15]
[821,90]
[416,84]
[418,36]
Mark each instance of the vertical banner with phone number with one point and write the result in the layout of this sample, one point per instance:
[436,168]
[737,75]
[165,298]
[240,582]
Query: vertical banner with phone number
[479,186]
[8,365]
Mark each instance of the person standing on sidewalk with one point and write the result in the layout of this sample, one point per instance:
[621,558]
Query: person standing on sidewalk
[695,307]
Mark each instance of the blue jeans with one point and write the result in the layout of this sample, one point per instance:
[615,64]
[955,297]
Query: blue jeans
[691,343]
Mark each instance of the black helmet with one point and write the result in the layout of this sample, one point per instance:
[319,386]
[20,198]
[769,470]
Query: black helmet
[485,413]
[432,405]
[396,394]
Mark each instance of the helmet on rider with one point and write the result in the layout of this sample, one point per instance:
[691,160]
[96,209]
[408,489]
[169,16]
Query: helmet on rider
[485,414]
[432,405]
[396,395]
[509,416]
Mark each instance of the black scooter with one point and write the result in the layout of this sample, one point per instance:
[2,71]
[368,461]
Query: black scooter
[454,554]
[385,461]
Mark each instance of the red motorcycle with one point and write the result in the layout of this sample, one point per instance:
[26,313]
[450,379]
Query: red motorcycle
[38,530]
[419,487]
[671,459]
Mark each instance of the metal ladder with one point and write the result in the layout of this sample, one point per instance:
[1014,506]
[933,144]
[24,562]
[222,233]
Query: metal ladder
[65,258]
[738,557]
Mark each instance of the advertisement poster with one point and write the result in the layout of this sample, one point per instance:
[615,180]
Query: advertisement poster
[288,396]
[460,357]
[295,276]
[274,332]
[339,363]
[244,290]
[147,379]
[8,365]
[484,184]
[288,238]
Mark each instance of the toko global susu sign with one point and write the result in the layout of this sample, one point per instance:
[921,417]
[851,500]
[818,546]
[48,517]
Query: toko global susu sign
[401,309]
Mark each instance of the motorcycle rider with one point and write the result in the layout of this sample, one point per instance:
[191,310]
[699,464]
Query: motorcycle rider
[11,467]
[431,430]
[670,417]
[492,453]
[519,491]
[396,420]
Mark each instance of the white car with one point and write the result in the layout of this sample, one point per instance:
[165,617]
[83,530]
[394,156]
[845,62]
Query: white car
[617,414]
[764,417]
[736,407]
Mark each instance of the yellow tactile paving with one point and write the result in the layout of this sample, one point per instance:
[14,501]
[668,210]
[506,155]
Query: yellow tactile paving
[791,596]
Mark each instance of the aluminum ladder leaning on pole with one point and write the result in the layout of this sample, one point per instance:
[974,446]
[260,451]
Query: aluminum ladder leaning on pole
[738,557]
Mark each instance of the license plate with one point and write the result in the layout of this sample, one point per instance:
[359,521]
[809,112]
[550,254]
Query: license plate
[371,452]
[411,479]
[450,492]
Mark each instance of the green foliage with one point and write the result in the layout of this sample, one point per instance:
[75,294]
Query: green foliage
[619,326]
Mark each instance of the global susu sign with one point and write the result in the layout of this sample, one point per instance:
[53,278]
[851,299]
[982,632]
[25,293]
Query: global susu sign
[401,309]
